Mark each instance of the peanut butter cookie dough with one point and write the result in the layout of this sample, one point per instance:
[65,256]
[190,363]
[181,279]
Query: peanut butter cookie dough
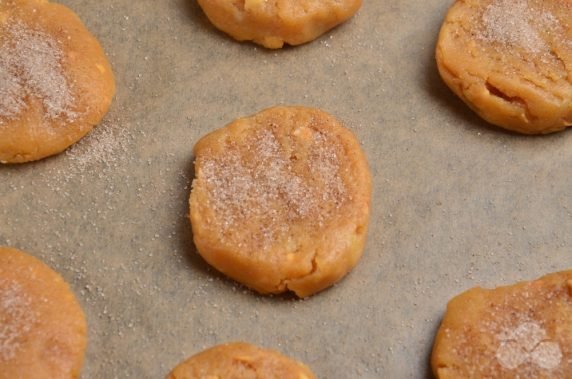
[271,23]
[518,331]
[42,327]
[55,81]
[281,200]
[511,61]
[239,360]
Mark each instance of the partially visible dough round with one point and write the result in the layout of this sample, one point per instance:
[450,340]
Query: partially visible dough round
[55,81]
[43,332]
[240,360]
[518,331]
[511,61]
[272,23]
[281,200]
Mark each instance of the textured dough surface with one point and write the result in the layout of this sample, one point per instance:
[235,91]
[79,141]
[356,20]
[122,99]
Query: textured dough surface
[511,61]
[55,81]
[518,331]
[42,326]
[240,360]
[271,23]
[281,200]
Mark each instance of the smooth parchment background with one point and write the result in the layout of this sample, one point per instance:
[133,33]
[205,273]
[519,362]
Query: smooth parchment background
[457,203]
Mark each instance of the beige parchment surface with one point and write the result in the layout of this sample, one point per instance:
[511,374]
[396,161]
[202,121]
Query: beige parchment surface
[456,202]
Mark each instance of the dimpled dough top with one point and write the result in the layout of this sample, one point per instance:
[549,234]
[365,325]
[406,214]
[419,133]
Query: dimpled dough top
[42,327]
[518,331]
[272,23]
[511,61]
[281,200]
[55,81]
[239,360]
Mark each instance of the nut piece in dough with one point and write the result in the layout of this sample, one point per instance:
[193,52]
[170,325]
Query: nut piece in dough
[271,23]
[240,360]
[55,81]
[281,200]
[518,331]
[511,61]
[42,326]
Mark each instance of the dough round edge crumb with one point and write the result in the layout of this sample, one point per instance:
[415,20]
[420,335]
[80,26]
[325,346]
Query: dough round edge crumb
[477,302]
[31,136]
[335,254]
[247,23]
[54,343]
[236,358]
[499,100]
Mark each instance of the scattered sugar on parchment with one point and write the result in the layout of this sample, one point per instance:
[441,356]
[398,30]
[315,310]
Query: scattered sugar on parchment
[31,66]
[516,23]
[105,146]
[16,318]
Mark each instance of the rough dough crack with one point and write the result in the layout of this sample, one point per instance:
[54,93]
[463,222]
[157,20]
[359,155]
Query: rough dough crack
[510,61]
[285,283]
[281,200]
[55,81]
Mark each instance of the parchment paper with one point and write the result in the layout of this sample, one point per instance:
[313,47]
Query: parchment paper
[457,203]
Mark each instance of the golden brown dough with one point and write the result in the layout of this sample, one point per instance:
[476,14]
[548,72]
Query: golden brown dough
[511,61]
[55,81]
[239,360]
[281,200]
[42,327]
[271,23]
[518,331]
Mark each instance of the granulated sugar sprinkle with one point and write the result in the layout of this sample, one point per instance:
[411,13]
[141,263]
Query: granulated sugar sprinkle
[16,318]
[526,344]
[547,355]
[11,94]
[516,333]
[31,66]
[268,189]
[106,145]
[324,163]
[516,23]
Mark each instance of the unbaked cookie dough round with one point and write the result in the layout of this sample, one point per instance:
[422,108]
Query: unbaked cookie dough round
[518,331]
[271,23]
[281,200]
[55,81]
[42,326]
[511,61]
[240,360]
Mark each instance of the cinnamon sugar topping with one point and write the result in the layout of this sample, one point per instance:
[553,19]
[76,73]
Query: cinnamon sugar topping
[517,334]
[31,68]
[265,182]
[527,344]
[517,23]
[11,93]
[16,318]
